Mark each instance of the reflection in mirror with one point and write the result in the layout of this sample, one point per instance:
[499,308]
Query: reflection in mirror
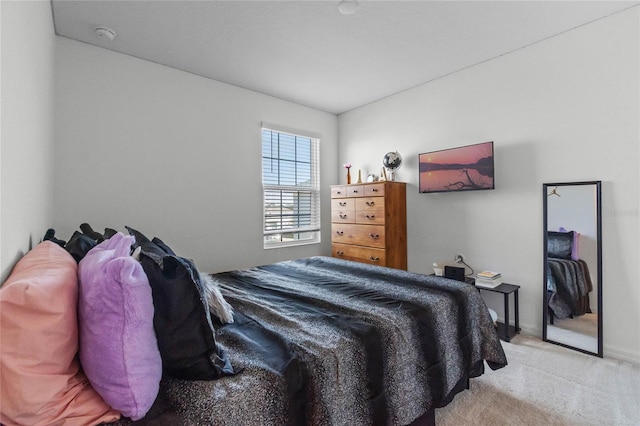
[573,265]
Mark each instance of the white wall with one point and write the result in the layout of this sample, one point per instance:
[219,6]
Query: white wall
[171,154]
[26,142]
[564,109]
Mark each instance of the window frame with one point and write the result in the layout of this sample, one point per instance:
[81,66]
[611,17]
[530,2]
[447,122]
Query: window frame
[313,190]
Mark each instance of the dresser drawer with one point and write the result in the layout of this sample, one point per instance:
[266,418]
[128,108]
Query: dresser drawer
[362,235]
[355,190]
[369,203]
[370,255]
[343,216]
[374,190]
[343,204]
[338,191]
[369,217]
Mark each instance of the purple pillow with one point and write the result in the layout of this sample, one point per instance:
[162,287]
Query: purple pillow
[118,347]
[575,253]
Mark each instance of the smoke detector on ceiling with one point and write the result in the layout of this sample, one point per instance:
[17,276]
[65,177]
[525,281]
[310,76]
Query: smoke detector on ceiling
[105,33]
[348,7]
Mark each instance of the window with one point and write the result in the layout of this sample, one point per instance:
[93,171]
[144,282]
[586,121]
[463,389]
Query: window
[291,188]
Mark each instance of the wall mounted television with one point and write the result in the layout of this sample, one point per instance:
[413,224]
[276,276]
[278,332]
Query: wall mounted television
[465,168]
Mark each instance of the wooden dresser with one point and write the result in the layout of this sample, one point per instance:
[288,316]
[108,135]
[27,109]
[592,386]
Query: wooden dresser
[369,223]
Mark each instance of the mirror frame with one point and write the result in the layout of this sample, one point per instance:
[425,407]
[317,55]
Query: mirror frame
[598,207]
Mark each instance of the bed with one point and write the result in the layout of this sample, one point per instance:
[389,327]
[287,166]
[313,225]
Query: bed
[568,278]
[568,288]
[324,341]
[314,341]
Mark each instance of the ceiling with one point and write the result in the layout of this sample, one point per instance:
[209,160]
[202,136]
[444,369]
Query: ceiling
[309,53]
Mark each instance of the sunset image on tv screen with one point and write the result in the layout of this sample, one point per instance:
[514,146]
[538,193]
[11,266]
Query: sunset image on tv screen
[457,169]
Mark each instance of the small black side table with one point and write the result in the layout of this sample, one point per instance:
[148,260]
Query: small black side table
[506,331]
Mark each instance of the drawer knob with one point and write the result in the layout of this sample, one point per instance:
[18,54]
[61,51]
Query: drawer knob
[340,253]
[355,191]
[374,236]
[338,192]
[340,232]
[343,203]
[370,203]
[371,216]
[343,216]
[374,259]
[374,189]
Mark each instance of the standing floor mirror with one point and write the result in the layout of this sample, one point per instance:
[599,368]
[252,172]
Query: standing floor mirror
[572,307]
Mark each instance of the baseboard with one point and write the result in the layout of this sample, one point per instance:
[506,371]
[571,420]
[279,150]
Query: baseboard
[610,351]
[621,354]
[531,331]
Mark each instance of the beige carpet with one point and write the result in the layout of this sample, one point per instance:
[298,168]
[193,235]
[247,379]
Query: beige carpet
[546,384]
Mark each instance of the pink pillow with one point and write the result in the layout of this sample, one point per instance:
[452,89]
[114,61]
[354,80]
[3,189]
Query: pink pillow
[118,346]
[40,376]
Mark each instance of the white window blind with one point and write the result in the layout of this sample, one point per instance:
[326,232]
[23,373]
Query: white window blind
[291,188]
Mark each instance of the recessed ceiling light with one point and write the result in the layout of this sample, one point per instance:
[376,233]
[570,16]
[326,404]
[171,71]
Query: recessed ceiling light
[347,7]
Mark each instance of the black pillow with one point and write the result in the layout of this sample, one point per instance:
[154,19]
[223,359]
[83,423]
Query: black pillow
[559,244]
[149,248]
[88,231]
[185,333]
[79,245]
[50,235]
[139,236]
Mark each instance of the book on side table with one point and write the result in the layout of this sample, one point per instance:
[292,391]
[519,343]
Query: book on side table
[488,279]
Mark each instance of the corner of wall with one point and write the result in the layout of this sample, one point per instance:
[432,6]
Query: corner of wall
[27,127]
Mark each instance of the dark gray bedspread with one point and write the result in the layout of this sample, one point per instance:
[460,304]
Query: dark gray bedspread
[323,341]
[569,285]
